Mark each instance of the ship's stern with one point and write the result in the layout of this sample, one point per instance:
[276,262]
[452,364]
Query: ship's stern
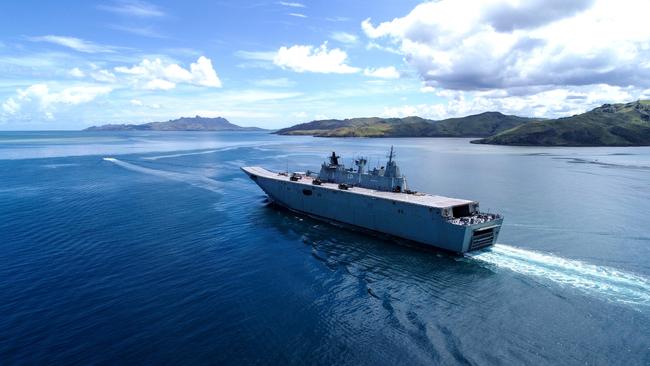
[483,235]
[466,238]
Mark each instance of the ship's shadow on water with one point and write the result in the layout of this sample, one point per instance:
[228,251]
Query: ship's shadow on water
[372,257]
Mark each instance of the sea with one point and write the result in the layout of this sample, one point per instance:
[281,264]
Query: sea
[155,248]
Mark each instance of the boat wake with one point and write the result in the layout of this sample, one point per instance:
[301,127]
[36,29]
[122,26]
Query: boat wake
[613,284]
[199,152]
[192,179]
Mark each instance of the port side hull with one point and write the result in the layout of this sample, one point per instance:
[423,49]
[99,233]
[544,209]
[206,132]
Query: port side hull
[417,223]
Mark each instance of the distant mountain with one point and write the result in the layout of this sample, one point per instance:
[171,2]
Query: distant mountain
[182,124]
[609,125]
[479,125]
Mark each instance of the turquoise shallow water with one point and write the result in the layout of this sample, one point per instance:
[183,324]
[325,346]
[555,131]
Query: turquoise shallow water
[168,254]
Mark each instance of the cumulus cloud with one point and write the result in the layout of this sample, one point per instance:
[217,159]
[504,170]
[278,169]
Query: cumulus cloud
[389,72]
[203,73]
[301,58]
[74,43]
[502,44]
[39,98]
[158,75]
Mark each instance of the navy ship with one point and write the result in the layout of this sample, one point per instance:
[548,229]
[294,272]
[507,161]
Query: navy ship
[380,200]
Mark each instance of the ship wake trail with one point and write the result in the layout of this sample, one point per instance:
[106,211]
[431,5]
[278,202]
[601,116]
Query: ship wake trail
[613,284]
[192,179]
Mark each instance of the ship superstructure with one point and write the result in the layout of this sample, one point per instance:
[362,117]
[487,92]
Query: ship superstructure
[386,178]
[380,200]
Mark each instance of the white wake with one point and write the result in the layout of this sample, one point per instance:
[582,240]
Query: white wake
[202,152]
[613,284]
[192,179]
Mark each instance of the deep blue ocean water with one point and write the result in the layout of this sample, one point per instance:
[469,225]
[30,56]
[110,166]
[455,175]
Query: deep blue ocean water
[170,255]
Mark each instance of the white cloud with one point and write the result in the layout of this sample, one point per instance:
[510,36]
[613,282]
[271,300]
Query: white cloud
[553,103]
[39,99]
[156,75]
[76,44]
[76,72]
[203,73]
[136,102]
[503,44]
[344,37]
[388,72]
[298,15]
[302,58]
[141,9]
[291,4]
[72,95]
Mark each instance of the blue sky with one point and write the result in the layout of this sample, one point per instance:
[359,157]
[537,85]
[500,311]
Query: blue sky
[71,64]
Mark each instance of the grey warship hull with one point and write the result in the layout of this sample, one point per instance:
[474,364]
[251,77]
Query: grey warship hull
[441,222]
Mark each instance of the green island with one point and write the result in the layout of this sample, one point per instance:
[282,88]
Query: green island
[479,125]
[624,124]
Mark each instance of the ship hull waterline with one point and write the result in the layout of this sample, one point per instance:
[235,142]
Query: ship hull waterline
[391,218]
